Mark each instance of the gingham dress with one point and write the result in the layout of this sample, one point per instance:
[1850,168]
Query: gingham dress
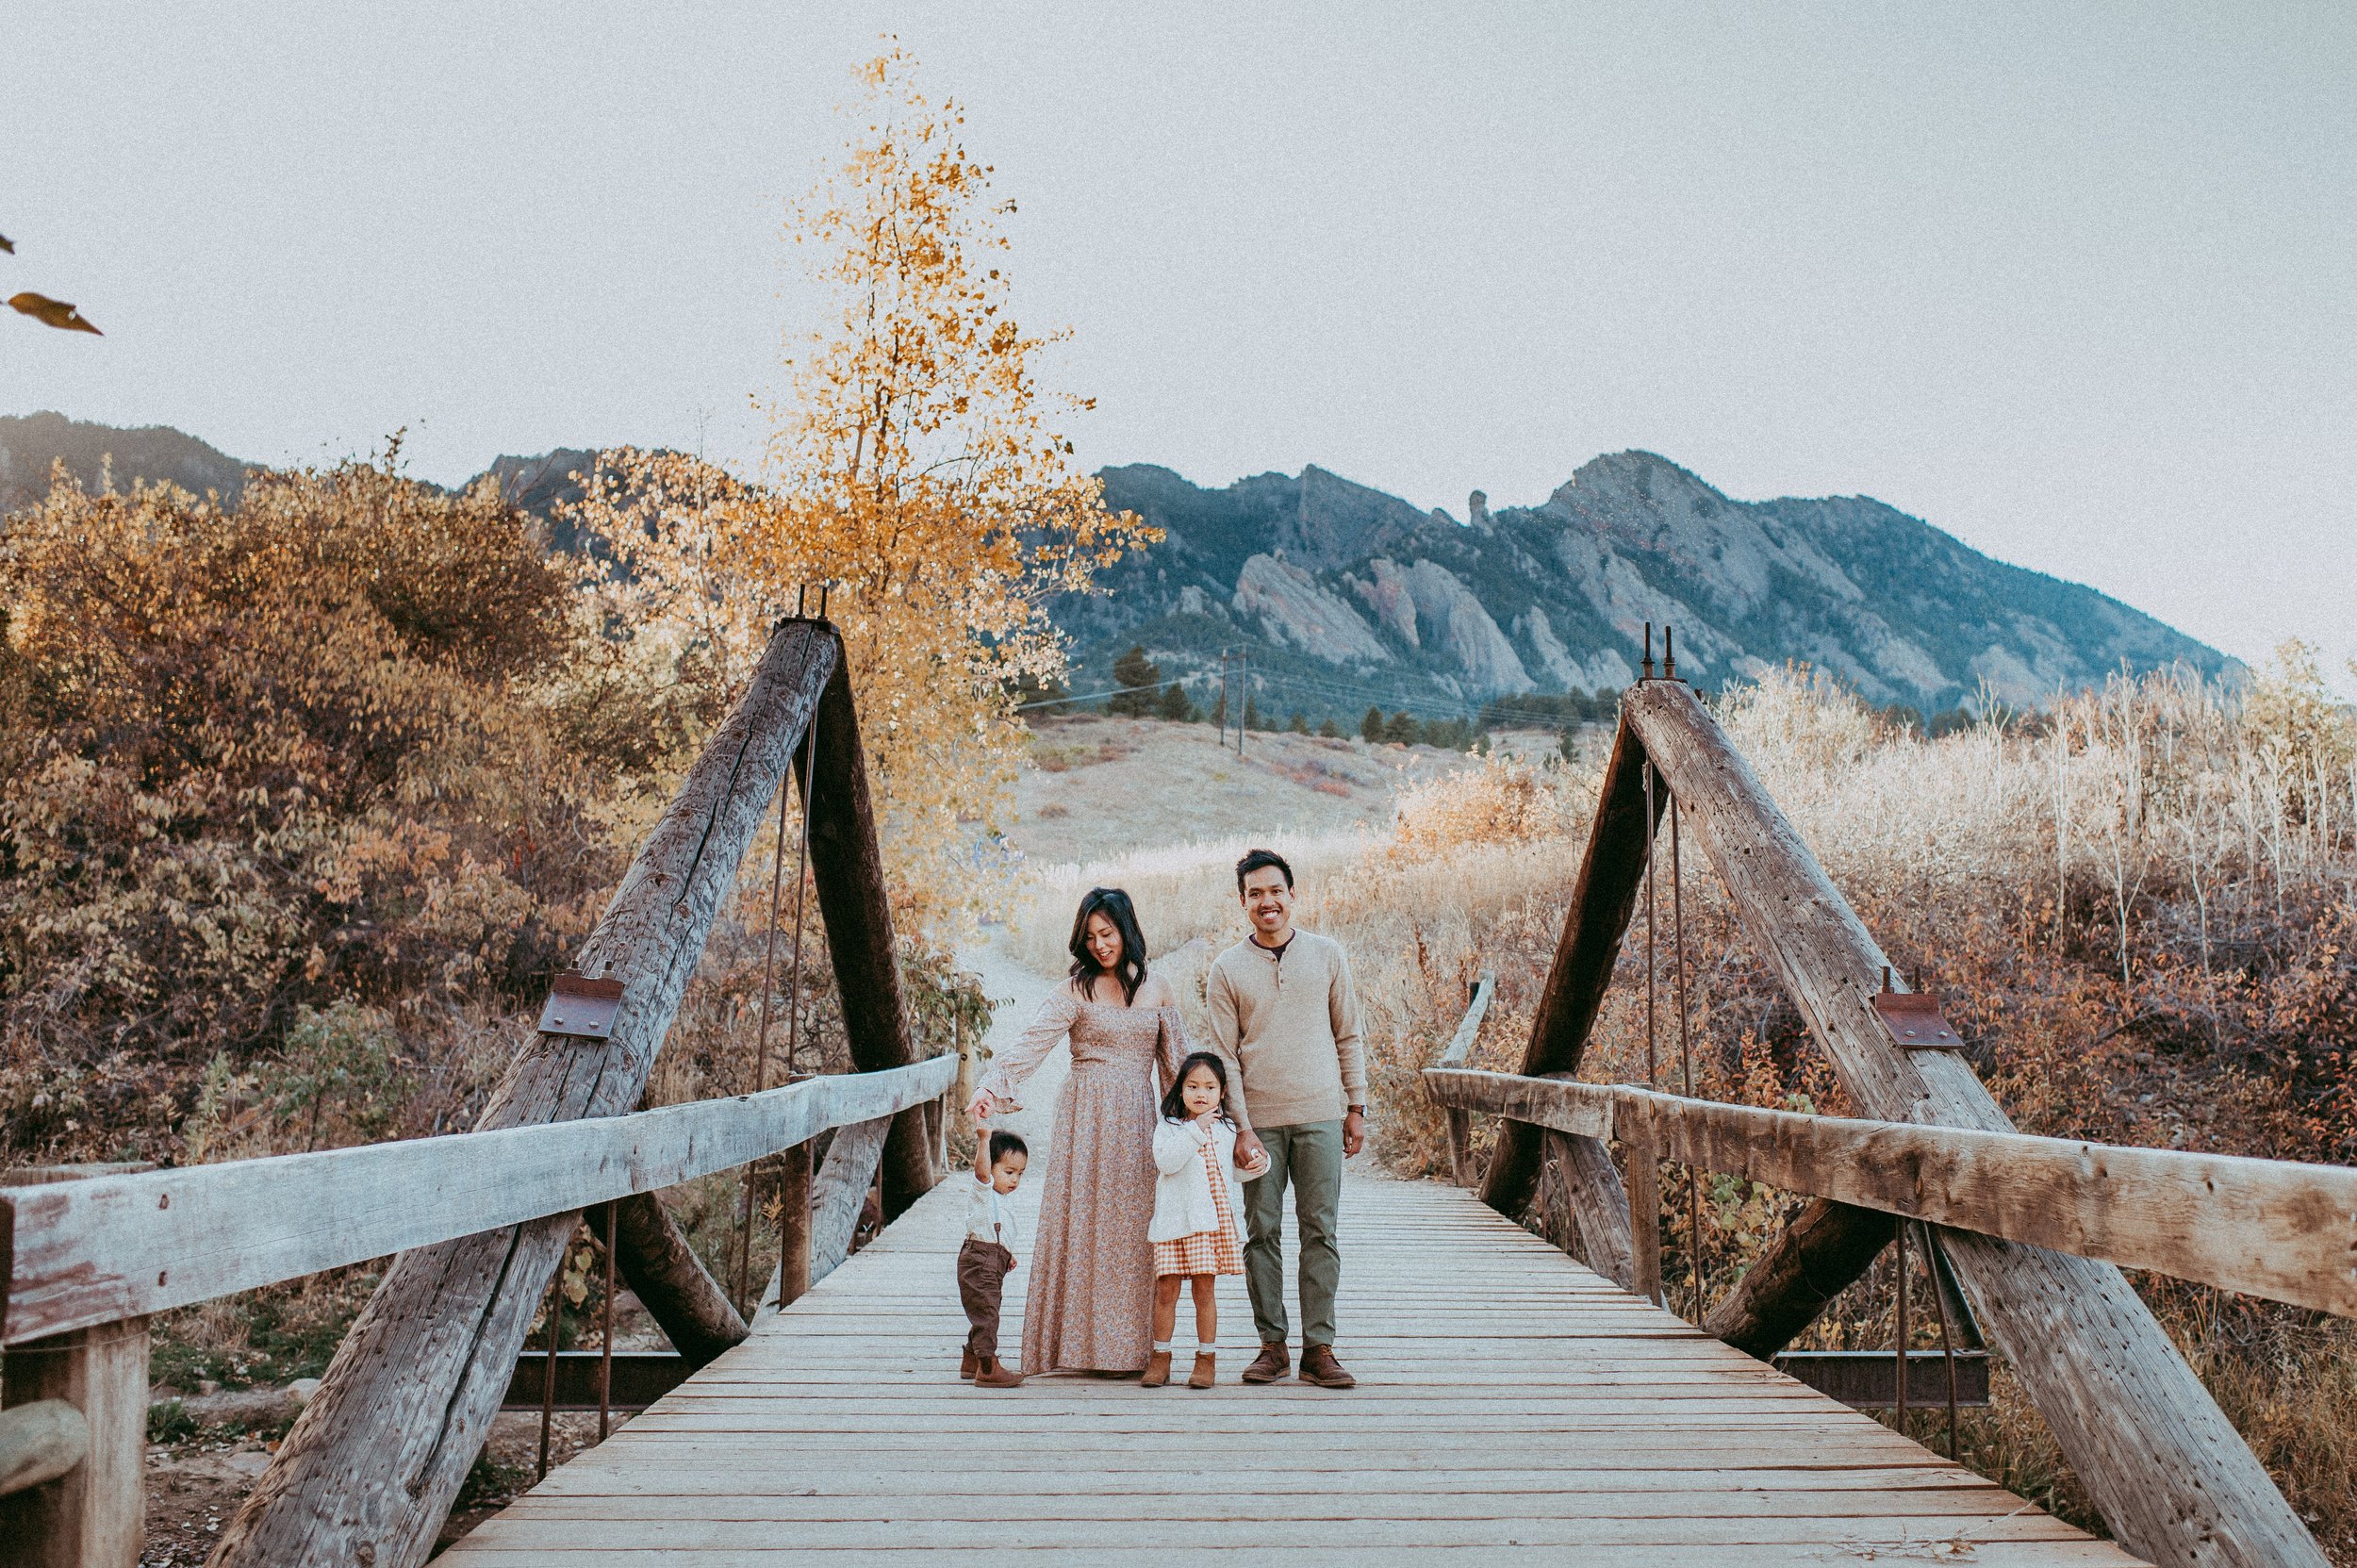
[1217,1251]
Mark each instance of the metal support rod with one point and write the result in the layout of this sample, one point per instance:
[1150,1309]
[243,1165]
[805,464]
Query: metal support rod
[1899,1241]
[1946,1345]
[1651,1055]
[1685,1056]
[605,1335]
[548,1367]
[801,876]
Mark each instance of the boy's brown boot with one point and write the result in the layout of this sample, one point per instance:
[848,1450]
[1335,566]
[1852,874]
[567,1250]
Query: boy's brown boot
[968,1364]
[1273,1363]
[1205,1363]
[994,1374]
[1157,1370]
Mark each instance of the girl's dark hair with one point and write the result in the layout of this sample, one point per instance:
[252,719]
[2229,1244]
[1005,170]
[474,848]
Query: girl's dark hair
[1129,970]
[1004,1144]
[1174,1098]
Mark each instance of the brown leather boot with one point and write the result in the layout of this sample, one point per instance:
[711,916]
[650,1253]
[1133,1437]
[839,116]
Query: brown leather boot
[1205,1365]
[968,1364]
[1319,1366]
[994,1374]
[1273,1363]
[1157,1370]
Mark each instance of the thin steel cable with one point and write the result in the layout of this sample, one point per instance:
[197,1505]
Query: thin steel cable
[1946,1345]
[1685,1057]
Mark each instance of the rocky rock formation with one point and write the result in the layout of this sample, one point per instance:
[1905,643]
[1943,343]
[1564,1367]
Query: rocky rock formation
[1296,611]
[1556,596]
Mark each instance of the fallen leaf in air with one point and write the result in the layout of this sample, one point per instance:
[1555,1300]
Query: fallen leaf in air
[6,244]
[56,313]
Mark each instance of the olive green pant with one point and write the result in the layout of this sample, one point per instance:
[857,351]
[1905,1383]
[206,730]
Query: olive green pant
[1310,1156]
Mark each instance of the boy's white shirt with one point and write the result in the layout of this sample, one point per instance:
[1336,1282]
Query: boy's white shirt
[1182,1188]
[990,1216]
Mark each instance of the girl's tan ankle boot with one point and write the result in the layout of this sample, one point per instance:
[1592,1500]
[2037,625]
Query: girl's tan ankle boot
[1205,1366]
[1157,1369]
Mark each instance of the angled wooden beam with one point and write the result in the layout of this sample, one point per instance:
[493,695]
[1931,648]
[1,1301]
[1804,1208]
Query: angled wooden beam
[847,868]
[672,1284]
[1611,871]
[1826,1250]
[1599,1205]
[369,1470]
[2172,1477]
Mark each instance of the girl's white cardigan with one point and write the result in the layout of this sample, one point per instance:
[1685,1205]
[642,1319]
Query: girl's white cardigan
[1182,1190]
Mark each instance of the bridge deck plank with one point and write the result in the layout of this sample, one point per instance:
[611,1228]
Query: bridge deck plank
[1511,1405]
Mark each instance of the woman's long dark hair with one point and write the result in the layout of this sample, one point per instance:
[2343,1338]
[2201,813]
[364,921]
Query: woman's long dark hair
[1129,970]
[1175,1098]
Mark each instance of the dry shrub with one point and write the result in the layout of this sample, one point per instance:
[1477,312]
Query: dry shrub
[287,777]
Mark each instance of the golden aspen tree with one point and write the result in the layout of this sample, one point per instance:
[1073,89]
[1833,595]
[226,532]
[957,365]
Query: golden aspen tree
[916,466]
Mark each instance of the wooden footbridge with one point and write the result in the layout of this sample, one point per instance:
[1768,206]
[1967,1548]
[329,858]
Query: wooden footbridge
[1513,1405]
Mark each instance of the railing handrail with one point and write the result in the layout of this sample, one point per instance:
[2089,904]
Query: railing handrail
[2279,1228]
[121,1246]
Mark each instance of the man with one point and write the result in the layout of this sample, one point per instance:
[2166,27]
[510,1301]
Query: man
[1284,1016]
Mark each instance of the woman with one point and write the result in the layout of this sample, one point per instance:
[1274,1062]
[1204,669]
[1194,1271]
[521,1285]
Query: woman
[1092,1286]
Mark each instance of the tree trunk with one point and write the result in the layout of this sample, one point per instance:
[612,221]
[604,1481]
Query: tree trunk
[369,1470]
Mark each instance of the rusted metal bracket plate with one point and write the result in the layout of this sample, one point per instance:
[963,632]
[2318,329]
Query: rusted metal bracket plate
[1915,1022]
[581,1005]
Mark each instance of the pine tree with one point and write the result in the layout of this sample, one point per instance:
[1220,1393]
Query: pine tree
[1328,729]
[1175,704]
[1371,727]
[1135,678]
[1219,711]
[1401,730]
[1251,712]
[1300,724]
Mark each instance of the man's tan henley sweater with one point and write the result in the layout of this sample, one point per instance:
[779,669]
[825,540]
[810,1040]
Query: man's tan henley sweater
[1287,1022]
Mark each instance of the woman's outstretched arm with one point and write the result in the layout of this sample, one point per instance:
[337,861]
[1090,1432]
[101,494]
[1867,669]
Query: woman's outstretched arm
[1001,1085]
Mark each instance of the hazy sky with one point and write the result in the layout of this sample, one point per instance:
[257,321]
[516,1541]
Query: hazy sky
[2077,283]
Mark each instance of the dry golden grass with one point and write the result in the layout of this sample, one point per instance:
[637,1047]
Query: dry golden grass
[2141,910]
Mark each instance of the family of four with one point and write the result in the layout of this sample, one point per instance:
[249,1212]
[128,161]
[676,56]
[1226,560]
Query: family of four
[1158,1147]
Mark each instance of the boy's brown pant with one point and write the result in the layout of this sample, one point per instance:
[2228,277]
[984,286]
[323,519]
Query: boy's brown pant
[982,1275]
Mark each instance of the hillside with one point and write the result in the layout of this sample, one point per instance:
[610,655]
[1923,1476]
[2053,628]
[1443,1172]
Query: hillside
[29,443]
[1346,595]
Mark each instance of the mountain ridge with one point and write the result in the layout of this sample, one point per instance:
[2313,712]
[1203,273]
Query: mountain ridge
[1345,596]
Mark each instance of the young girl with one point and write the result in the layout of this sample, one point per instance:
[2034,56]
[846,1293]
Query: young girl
[1196,1199]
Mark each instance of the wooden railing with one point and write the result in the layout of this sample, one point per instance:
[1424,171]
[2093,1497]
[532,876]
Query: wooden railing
[2267,1228]
[86,1262]
[477,1224]
[2026,1235]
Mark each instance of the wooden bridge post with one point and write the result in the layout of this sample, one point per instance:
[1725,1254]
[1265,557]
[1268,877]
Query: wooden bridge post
[2173,1478]
[793,1225]
[846,870]
[95,1512]
[1610,872]
[1633,1126]
[1600,1207]
[369,1470]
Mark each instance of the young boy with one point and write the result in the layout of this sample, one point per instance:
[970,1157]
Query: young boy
[988,1254]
